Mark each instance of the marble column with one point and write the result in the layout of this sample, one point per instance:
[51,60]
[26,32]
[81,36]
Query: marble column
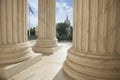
[95,54]
[14,46]
[46,42]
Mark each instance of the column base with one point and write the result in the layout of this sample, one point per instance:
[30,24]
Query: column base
[46,47]
[10,54]
[83,66]
[6,72]
[45,51]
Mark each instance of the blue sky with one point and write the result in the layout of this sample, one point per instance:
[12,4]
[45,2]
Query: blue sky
[63,8]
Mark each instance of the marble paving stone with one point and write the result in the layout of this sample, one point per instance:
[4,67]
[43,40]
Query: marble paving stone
[47,68]
[11,70]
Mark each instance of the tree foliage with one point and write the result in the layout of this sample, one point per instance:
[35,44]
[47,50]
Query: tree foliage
[64,31]
[32,31]
[32,34]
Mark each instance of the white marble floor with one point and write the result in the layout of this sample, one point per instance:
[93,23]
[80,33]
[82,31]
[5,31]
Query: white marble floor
[48,68]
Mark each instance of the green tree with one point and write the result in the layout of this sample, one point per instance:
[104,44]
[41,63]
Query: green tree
[32,31]
[62,32]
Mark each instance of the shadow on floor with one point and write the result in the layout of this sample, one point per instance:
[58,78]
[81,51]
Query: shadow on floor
[61,75]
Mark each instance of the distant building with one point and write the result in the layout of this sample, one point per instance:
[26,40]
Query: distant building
[69,29]
[67,21]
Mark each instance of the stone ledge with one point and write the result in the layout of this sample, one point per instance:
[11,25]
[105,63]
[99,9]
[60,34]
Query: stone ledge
[8,71]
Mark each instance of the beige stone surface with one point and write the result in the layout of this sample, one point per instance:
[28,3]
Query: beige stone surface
[61,75]
[47,68]
[46,42]
[7,71]
[95,54]
[14,46]
[15,51]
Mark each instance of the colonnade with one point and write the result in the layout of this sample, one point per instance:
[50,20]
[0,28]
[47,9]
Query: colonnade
[95,51]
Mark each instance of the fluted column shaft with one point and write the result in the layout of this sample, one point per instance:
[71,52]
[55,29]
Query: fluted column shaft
[95,54]
[46,42]
[13,32]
